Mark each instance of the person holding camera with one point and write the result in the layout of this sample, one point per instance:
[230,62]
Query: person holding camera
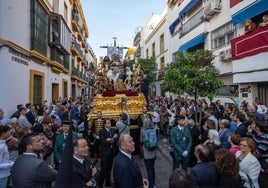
[124,123]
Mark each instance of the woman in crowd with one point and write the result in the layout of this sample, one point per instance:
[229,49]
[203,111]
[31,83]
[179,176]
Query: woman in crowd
[264,21]
[228,168]
[249,166]
[149,156]
[258,131]
[234,140]
[249,26]
[213,134]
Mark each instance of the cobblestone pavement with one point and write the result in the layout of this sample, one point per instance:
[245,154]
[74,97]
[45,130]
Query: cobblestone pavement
[163,165]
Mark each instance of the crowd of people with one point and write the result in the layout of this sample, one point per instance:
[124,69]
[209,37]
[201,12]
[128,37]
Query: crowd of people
[250,25]
[34,138]
[200,134]
[213,145]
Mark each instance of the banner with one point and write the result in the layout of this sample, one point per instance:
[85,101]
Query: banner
[250,44]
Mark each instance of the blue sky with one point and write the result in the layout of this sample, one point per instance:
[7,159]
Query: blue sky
[117,18]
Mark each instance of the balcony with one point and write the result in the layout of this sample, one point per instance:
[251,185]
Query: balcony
[138,52]
[137,39]
[59,33]
[57,56]
[78,75]
[75,20]
[250,44]
[172,3]
[76,49]
[191,24]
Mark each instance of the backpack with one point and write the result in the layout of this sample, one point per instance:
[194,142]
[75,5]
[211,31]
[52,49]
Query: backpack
[150,139]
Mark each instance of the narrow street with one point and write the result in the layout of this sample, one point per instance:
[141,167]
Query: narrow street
[163,165]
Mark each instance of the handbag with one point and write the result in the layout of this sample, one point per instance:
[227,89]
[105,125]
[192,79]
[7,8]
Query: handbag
[251,184]
[123,128]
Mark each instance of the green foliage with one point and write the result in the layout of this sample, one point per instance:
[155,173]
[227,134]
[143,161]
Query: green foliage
[192,73]
[147,65]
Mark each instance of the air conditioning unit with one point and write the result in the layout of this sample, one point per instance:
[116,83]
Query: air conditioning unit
[222,55]
[212,7]
[228,54]
[225,55]
[206,17]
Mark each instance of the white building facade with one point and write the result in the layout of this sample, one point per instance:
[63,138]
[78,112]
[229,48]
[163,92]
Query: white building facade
[42,55]
[216,25]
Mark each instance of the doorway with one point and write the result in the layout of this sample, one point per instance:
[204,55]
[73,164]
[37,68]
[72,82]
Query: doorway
[55,92]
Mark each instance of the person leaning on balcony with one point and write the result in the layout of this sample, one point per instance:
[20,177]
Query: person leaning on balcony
[264,21]
[249,26]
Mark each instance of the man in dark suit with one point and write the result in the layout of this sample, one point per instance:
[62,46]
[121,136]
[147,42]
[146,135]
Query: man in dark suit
[204,173]
[30,171]
[241,127]
[84,173]
[126,172]
[108,140]
[31,115]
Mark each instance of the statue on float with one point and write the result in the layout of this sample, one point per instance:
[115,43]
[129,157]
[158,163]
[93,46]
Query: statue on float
[115,75]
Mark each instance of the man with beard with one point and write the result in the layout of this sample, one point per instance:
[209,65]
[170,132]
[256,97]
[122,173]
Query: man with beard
[30,171]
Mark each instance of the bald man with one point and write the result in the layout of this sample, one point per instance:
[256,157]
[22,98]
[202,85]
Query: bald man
[126,172]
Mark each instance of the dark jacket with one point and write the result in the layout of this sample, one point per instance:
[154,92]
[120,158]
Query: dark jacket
[126,173]
[241,130]
[82,173]
[229,182]
[107,148]
[30,117]
[204,174]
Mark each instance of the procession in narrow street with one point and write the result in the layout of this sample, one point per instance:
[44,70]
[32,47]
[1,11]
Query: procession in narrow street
[133,94]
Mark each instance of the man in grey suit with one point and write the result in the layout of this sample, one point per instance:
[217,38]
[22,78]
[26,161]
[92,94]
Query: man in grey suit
[28,170]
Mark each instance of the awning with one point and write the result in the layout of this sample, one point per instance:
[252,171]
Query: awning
[173,25]
[187,7]
[250,11]
[195,41]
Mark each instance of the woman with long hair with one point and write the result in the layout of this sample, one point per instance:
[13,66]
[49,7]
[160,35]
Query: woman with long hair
[228,168]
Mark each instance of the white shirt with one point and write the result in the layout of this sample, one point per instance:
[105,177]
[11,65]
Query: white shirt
[128,155]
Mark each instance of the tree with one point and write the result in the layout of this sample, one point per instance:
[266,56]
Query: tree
[192,73]
[147,65]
